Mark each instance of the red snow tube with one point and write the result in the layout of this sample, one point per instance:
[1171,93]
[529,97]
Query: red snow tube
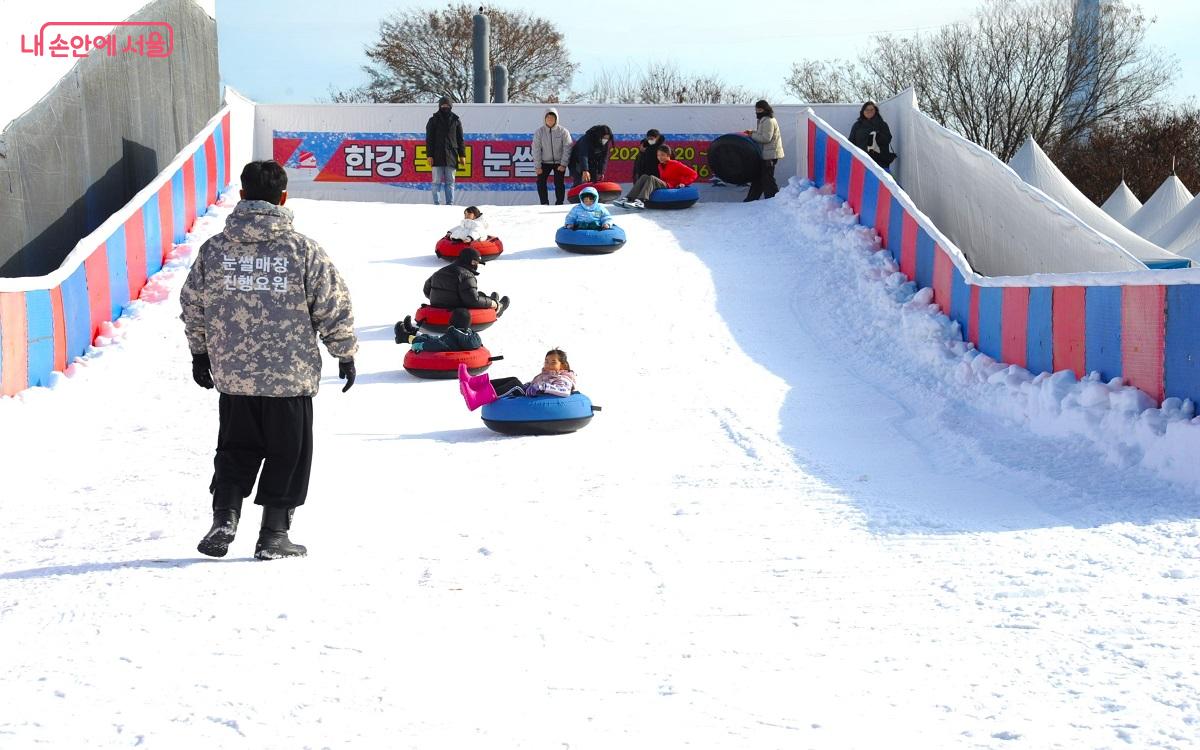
[444,365]
[438,318]
[448,249]
[609,192]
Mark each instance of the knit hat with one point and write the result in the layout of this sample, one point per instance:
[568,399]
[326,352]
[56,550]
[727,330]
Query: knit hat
[445,100]
[460,318]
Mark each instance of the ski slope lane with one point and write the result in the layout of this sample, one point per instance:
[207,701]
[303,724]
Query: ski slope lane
[788,527]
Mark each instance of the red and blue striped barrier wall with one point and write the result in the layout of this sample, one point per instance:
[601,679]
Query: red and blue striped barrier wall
[48,321]
[1146,333]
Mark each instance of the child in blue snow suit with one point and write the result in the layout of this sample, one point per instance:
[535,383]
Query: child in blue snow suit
[458,337]
[589,213]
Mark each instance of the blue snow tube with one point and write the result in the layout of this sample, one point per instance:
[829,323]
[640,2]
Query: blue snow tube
[590,241]
[538,415]
[683,197]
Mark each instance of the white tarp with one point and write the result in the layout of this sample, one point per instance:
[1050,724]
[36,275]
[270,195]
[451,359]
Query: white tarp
[319,129]
[1167,201]
[27,76]
[1122,204]
[1004,226]
[1182,231]
[1037,169]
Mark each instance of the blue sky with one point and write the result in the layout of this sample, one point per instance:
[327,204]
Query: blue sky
[293,51]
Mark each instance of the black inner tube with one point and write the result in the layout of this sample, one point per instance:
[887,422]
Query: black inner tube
[734,158]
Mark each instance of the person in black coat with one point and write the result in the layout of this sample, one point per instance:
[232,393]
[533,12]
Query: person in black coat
[870,133]
[647,158]
[444,147]
[458,337]
[455,285]
[589,155]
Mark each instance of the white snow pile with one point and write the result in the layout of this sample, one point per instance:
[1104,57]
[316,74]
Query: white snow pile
[157,290]
[902,321]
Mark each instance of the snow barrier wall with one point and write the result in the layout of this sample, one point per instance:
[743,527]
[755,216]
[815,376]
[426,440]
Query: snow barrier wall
[47,321]
[1141,326]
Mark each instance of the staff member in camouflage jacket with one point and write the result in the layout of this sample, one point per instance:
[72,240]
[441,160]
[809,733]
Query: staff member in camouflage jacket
[254,303]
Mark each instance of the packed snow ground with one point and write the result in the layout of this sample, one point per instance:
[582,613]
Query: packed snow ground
[805,518]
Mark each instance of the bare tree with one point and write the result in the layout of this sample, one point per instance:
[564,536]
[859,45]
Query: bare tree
[422,55]
[1142,150]
[662,83]
[1018,68]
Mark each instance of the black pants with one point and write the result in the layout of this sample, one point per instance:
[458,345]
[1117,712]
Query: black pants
[504,385]
[764,182]
[272,433]
[560,190]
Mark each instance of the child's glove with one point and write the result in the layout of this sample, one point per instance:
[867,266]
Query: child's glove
[534,389]
[417,346]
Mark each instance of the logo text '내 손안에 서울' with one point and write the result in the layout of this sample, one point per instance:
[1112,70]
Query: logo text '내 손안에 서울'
[81,38]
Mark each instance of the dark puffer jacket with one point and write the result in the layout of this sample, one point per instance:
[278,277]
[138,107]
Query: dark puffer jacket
[647,158]
[453,340]
[866,132]
[589,154]
[455,286]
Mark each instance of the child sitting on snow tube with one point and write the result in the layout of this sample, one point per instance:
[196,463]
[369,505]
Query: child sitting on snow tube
[555,379]
[589,213]
[471,228]
[458,336]
[471,232]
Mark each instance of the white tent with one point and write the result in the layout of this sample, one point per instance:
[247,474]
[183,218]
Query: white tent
[1167,201]
[1035,168]
[1182,230]
[1122,204]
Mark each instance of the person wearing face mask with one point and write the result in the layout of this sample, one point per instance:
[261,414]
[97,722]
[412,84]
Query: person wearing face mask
[444,148]
[870,133]
[589,155]
[455,285]
[647,158]
[767,134]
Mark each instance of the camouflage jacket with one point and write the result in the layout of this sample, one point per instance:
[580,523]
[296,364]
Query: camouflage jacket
[258,296]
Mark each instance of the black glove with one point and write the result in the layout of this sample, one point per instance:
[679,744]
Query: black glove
[346,372]
[200,370]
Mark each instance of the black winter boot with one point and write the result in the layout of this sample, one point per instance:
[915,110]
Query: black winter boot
[227,509]
[501,305]
[273,542]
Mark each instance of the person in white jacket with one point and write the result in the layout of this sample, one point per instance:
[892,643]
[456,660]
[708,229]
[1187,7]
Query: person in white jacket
[472,228]
[551,153]
[768,136]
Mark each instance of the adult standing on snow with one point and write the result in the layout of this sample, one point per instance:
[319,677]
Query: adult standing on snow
[254,304]
[444,148]
[870,133]
[767,133]
[551,153]
[589,155]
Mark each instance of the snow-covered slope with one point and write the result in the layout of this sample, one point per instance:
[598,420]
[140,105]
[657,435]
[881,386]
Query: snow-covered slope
[808,516]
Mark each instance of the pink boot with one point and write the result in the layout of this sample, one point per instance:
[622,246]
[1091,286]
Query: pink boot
[476,390]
